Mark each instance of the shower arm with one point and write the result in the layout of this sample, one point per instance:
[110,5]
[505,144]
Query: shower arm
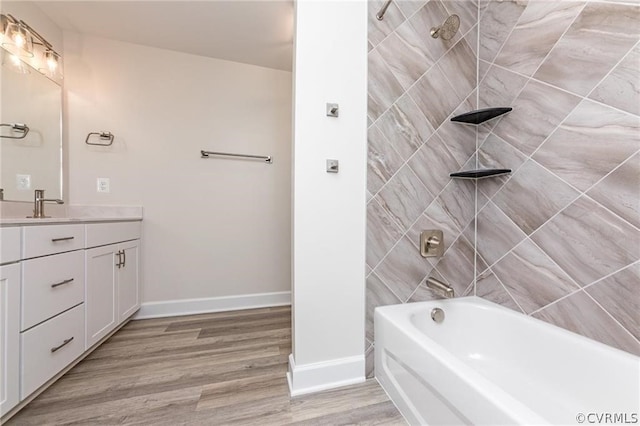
[383,10]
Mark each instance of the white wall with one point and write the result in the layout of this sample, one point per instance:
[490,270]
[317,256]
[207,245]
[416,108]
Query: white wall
[214,227]
[329,209]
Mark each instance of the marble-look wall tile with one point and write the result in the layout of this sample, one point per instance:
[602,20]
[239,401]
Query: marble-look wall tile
[405,127]
[570,47]
[539,28]
[378,294]
[497,234]
[537,111]
[532,278]
[621,88]
[409,7]
[435,97]
[369,362]
[383,88]
[379,30]
[490,288]
[458,200]
[593,134]
[600,36]
[382,160]
[588,241]
[405,197]
[432,164]
[497,21]
[619,294]
[459,66]
[457,265]
[382,232]
[532,196]
[460,138]
[499,88]
[620,191]
[403,54]
[497,154]
[403,269]
[580,314]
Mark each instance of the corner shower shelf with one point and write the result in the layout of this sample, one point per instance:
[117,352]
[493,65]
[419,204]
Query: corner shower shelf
[480,174]
[479,116]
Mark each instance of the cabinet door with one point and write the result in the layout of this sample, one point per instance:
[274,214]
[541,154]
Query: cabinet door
[129,280]
[9,336]
[100,299]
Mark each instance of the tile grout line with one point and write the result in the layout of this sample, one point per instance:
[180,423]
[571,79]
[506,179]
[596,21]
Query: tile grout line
[508,292]
[568,92]
[612,317]
[583,288]
[625,56]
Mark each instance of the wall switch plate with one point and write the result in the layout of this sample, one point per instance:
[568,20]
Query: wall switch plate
[103,184]
[23,182]
[332,166]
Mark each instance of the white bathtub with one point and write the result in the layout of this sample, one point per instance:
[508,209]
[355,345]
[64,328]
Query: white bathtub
[485,364]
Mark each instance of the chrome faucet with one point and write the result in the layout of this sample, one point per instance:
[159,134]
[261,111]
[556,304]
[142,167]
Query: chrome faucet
[441,288]
[38,203]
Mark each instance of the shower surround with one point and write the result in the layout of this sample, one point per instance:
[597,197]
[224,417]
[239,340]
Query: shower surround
[558,239]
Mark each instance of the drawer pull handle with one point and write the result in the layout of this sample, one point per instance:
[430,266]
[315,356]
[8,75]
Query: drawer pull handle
[55,240]
[70,280]
[65,343]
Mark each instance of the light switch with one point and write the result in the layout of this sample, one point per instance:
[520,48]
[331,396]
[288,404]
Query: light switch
[103,185]
[332,166]
[23,182]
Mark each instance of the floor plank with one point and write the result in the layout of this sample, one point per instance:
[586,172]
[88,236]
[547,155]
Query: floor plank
[210,369]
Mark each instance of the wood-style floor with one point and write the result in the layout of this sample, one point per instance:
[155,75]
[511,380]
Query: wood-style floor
[212,369]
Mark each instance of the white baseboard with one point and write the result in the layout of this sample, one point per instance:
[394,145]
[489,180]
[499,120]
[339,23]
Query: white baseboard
[172,308]
[321,376]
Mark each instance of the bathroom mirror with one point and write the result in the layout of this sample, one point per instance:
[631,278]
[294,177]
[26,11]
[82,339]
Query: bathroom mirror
[29,159]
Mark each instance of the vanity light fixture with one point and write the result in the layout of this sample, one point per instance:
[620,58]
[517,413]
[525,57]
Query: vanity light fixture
[20,39]
[50,64]
[17,37]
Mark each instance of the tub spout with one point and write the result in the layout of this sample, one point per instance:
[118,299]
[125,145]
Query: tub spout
[441,288]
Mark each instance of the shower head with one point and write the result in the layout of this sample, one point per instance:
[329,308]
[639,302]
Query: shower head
[447,30]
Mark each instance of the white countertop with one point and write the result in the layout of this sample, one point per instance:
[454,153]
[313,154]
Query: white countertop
[49,220]
[17,216]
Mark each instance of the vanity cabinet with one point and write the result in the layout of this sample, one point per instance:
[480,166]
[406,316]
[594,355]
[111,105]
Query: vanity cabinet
[9,336]
[113,279]
[63,289]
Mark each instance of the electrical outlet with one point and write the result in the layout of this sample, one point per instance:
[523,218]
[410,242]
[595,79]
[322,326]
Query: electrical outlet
[103,184]
[23,182]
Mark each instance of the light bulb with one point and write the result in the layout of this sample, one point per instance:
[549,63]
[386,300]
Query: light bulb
[15,60]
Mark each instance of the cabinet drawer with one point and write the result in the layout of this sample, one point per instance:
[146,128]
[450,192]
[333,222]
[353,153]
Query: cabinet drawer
[51,285]
[9,244]
[44,352]
[101,234]
[51,239]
